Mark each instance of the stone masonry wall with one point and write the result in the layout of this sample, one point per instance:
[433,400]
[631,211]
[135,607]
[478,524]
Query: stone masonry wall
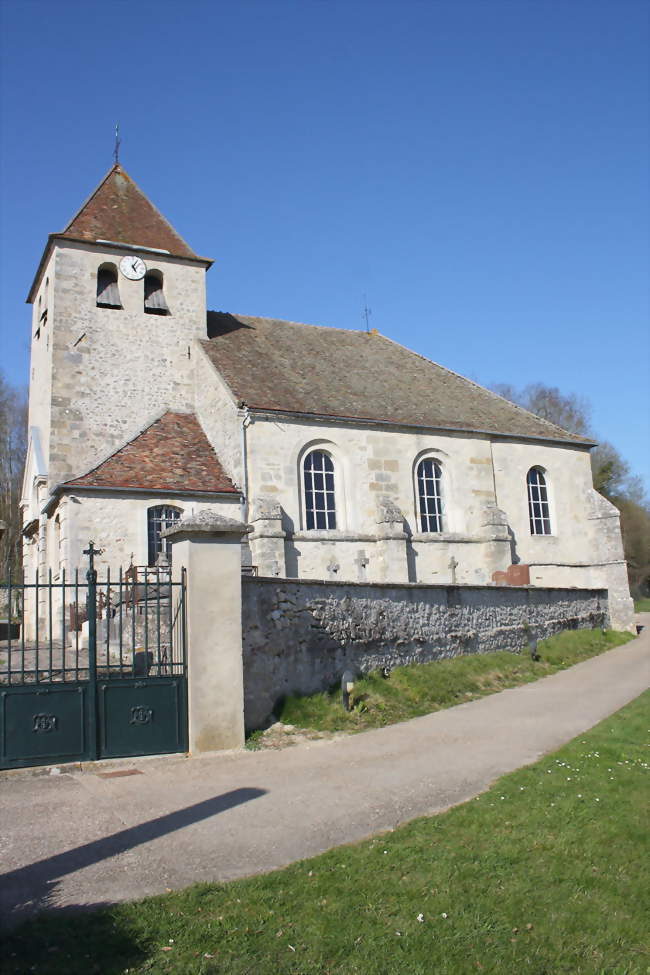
[299,636]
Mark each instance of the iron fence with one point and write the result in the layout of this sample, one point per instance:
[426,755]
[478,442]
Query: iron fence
[60,629]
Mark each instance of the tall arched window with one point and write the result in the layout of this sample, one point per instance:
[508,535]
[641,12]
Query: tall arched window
[320,504]
[538,507]
[429,477]
[154,297]
[158,519]
[108,294]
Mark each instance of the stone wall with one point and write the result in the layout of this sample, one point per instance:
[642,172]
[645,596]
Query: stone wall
[299,636]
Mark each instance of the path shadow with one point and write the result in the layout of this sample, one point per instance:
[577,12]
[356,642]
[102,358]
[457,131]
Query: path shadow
[29,890]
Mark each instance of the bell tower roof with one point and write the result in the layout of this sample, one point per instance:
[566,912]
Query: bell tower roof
[119,212]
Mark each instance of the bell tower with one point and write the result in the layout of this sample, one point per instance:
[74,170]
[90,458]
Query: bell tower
[119,303]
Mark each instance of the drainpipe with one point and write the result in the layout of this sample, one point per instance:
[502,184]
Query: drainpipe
[245,415]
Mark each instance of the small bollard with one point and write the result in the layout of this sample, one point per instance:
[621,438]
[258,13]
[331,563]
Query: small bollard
[347,686]
[532,646]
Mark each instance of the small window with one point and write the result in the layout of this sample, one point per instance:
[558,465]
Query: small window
[538,507]
[108,294]
[57,543]
[158,519]
[429,476]
[43,315]
[154,297]
[320,504]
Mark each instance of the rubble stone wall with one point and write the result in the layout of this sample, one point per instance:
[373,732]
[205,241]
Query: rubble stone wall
[299,636]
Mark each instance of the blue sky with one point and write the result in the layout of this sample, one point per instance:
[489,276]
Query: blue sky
[477,169]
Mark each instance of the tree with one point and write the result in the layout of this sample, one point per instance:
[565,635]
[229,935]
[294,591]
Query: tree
[571,412]
[13,447]
[610,472]
[635,526]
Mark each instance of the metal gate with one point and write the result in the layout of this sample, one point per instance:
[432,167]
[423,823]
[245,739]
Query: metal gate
[93,669]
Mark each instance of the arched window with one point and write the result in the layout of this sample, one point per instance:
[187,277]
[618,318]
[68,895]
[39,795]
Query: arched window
[320,504]
[158,519]
[429,477]
[108,293]
[154,297]
[538,507]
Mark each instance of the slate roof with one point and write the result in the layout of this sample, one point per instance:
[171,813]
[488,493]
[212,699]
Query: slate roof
[285,366]
[119,211]
[172,454]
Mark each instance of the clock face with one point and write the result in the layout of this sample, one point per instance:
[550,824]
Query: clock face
[133,268]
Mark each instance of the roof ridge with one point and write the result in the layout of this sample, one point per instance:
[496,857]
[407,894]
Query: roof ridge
[484,389]
[289,321]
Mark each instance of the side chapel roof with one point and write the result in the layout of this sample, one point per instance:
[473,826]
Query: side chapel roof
[307,369]
[172,454]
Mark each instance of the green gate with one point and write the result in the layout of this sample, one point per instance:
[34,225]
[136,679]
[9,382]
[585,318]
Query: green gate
[93,669]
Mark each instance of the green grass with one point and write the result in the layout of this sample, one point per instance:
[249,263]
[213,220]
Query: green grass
[642,605]
[546,873]
[422,688]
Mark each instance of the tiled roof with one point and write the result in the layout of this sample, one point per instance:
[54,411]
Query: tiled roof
[119,211]
[173,454]
[285,366]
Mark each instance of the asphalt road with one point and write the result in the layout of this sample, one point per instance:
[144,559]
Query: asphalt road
[80,839]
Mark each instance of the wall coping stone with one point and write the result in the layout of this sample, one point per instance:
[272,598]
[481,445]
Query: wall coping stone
[340,583]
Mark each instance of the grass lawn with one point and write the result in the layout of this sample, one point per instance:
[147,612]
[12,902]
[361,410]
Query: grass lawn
[642,605]
[546,873]
[422,688]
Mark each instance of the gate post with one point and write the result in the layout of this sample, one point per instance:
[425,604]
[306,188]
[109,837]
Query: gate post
[91,613]
[208,546]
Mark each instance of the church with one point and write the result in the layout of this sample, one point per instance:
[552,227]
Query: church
[350,457]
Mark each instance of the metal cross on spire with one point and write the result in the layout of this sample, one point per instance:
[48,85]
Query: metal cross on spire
[118,143]
[367,312]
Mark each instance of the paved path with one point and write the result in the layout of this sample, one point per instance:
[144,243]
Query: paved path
[82,839]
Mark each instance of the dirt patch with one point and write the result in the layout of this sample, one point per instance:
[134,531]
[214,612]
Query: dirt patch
[281,735]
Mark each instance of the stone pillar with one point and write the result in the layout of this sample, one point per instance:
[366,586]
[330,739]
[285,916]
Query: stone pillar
[496,550]
[267,538]
[610,570]
[620,604]
[208,545]
[391,543]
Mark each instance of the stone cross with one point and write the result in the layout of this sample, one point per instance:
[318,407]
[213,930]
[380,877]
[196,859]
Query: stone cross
[361,562]
[453,564]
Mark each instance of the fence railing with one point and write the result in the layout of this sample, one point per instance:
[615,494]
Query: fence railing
[124,625]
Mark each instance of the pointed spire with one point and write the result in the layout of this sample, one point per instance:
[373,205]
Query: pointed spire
[119,211]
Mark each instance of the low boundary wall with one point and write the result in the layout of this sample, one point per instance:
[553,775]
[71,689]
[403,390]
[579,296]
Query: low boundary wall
[300,635]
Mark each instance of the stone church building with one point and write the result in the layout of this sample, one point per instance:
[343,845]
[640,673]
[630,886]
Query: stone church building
[351,457]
